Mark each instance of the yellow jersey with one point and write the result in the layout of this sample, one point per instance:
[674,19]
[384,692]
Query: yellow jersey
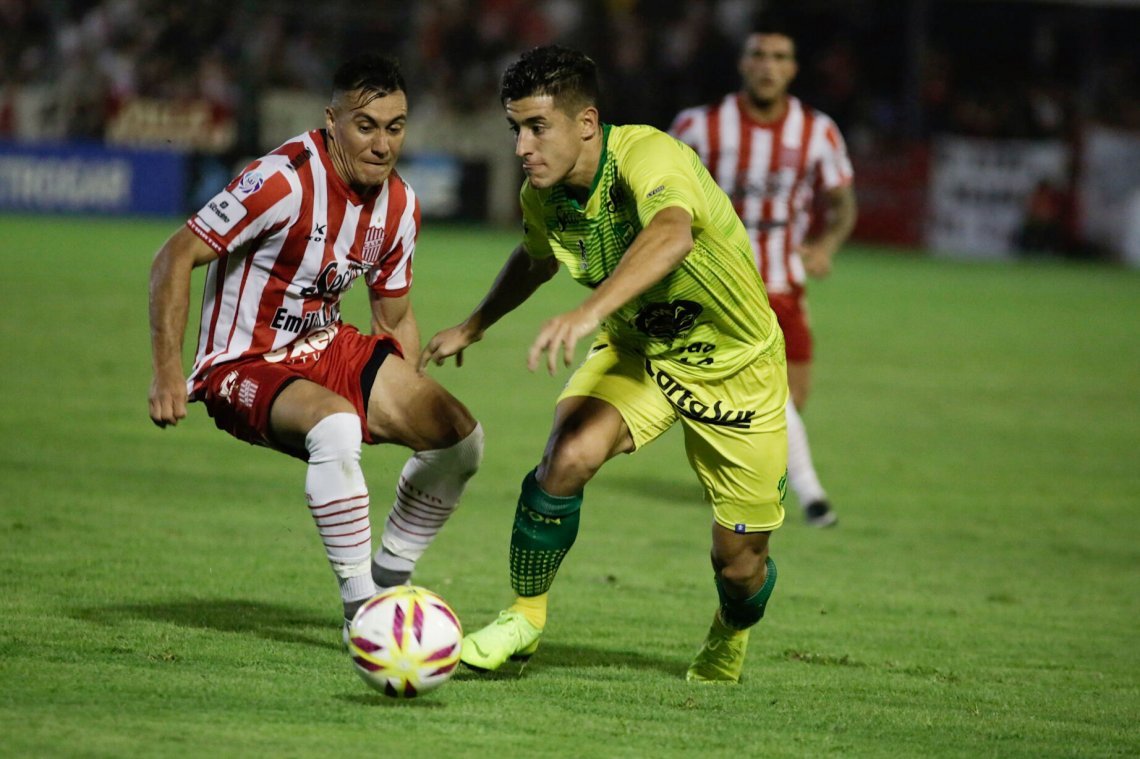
[707,318]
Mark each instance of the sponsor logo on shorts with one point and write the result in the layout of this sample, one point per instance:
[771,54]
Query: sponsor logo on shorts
[690,407]
[739,528]
[226,388]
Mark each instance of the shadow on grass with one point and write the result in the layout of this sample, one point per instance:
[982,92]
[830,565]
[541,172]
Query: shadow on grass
[561,656]
[688,493]
[375,700]
[270,621]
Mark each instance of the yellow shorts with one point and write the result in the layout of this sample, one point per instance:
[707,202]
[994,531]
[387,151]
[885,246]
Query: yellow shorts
[735,430]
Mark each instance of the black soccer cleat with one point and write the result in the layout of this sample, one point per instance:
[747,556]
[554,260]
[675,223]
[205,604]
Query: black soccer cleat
[819,514]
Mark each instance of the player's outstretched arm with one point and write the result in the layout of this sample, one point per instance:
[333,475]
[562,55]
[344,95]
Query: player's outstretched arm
[656,251]
[520,276]
[169,304]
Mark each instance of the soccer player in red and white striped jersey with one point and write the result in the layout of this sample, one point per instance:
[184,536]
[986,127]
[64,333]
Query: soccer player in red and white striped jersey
[275,364]
[775,158]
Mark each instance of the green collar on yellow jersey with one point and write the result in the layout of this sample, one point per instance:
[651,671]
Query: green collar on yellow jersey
[598,173]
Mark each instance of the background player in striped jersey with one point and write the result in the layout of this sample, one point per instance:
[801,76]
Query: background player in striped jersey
[774,157]
[277,367]
[686,337]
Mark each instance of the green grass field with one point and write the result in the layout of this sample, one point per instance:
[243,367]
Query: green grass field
[165,593]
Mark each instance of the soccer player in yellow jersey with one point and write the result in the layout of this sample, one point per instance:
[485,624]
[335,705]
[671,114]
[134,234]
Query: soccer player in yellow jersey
[685,334]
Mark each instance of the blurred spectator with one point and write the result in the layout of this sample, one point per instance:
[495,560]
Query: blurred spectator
[1039,69]
[1044,227]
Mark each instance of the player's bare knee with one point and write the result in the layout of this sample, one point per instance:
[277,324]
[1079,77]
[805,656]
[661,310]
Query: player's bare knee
[741,578]
[741,572]
[459,423]
[467,452]
[570,462]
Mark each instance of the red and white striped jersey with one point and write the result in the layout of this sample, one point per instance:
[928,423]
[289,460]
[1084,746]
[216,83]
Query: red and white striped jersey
[771,172]
[292,236]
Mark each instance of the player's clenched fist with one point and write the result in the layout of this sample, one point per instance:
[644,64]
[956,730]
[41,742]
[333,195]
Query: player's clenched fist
[167,401]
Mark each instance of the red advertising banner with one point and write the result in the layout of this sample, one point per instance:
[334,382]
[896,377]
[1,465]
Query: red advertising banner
[891,191]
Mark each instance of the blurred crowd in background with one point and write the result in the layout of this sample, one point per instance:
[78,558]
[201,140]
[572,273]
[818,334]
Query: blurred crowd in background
[892,73]
[881,68]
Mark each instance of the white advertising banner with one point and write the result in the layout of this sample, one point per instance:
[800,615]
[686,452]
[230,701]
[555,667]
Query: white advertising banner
[1108,191]
[979,190]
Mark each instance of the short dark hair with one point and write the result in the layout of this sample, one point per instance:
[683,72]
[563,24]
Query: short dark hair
[568,76]
[374,74]
[772,22]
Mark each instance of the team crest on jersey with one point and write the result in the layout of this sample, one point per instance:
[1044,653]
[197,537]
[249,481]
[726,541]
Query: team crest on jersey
[566,217]
[373,239]
[617,197]
[668,321]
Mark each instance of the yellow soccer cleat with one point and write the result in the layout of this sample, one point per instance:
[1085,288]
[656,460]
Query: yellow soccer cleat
[510,636]
[721,658]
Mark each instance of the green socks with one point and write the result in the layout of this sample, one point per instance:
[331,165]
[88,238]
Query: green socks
[545,528]
[741,614]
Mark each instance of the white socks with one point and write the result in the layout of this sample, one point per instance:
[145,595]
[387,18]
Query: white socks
[801,471]
[338,501]
[428,492]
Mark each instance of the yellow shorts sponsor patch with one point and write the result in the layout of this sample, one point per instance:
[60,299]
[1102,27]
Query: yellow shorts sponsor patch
[735,431]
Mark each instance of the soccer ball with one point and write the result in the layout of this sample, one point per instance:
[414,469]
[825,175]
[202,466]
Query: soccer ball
[405,641]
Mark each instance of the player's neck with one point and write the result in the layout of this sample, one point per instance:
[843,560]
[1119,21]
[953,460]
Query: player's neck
[765,112]
[581,178]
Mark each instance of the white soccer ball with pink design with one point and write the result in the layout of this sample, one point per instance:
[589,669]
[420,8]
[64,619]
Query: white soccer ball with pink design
[405,641]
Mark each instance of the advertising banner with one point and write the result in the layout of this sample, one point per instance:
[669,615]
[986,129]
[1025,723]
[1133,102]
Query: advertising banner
[891,191]
[1108,190]
[980,188]
[91,178]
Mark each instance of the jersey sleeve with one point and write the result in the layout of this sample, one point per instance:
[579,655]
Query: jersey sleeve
[536,241]
[688,126]
[835,168]
[660,172]
[260,200]
[391,277]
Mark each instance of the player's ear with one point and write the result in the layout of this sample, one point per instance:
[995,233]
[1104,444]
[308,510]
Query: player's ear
[330,119]
[588,121]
